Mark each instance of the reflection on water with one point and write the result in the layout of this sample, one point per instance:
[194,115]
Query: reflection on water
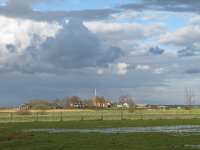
[167,129]
[192,146]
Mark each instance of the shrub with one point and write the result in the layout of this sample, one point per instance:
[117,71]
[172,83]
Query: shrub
[41,107]
[23,112]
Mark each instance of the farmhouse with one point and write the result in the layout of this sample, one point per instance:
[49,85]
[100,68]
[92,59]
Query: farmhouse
[23,107]
[77,105]
[124,105]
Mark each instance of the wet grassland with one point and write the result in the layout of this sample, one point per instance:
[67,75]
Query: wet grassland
[19,136]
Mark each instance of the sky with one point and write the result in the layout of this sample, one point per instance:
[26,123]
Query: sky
[50,49]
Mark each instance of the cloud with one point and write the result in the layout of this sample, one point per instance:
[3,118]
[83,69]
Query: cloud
[193,71]
[142,67]
[126,15]
[17,38]
[163,5]
[100,71]
[156,51]
[76,47]
[158,71]
[21,32]
[124,35]
[23,9]
[185,36]
[52,48]
[110,56]
[189,51]
[73,47]
[122,68]
[195,20]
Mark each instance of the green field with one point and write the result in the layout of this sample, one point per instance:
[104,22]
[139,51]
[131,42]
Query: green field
[99,114]
[11,137]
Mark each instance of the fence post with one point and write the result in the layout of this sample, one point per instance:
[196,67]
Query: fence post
[177,116]
[61,116]
[102,114]
[37,118]
[122,115]
[82,114]
[11,117]
[141,114]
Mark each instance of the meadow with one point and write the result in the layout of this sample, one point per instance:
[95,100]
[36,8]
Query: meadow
[12,137]
[12,124]
[96,114]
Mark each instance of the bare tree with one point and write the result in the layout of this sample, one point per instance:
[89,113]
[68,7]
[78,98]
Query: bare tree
[190,97]
[72,101]
[87,103]
[129,100]
[126,99]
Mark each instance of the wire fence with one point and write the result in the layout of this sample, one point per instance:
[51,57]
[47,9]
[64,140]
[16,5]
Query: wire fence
[61,116]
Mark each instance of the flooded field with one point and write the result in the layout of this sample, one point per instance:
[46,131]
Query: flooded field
[102,134]
[164,129]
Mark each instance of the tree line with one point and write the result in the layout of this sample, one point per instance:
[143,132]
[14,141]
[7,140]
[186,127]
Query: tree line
[77,102]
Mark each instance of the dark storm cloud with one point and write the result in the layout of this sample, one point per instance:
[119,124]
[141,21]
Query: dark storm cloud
[166,5]
[156,51]
[23,9]
[110,56]
[193,71]
[189,51]
[74,47]
[11,47]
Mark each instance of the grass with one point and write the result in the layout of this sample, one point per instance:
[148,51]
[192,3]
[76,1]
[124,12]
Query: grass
[12,139]
[97,114]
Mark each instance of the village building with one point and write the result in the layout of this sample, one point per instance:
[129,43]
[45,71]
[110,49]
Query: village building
[99,101]
[23,107]
[124,105]
[143,106]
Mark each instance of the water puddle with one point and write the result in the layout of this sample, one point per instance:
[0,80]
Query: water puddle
[192,146]
[165,129]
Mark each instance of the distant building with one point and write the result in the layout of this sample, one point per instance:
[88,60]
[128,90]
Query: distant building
[162,107]
[178,107]
[124,105]
[77,105]
[99,101]
[23,107]
[143,106]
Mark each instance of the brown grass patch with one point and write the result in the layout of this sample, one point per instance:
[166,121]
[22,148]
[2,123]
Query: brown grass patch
[50,110]
[19,136]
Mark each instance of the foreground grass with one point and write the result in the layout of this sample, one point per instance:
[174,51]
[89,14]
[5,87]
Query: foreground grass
[12,139]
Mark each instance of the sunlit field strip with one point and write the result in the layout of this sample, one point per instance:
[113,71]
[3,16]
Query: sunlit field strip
[78,114]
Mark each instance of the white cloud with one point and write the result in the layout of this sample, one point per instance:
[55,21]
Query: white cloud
[125,35]
[129,28]
[126,15]
[195,20]
[21,33]
[101,27]
[158,71]
[185,36]
[16,35]
[122,68]
[100,71]
[142,67]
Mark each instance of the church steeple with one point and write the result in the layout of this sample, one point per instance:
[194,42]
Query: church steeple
[95,92]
